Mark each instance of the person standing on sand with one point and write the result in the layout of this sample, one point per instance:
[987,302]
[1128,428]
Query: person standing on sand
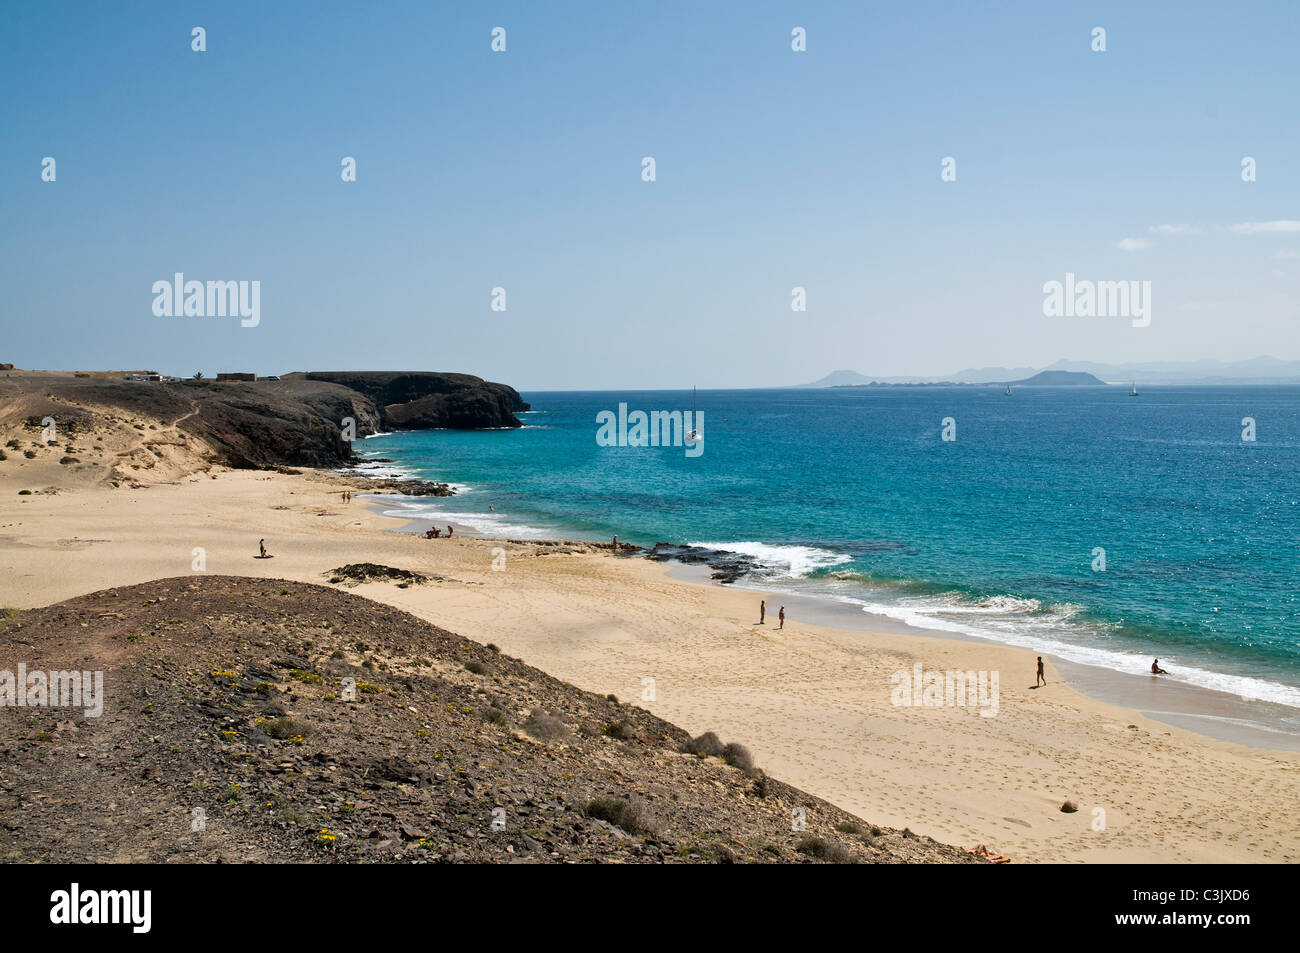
[762,610]
[449,531]
[1041,677]
[781,615]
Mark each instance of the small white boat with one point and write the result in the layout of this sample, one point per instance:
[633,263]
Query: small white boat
[1008,390]
[1135,390]
[694,434]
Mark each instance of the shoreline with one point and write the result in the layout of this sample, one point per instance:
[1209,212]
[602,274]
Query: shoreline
[1218,715]
[1205,711]
[812,702]
[1113,662]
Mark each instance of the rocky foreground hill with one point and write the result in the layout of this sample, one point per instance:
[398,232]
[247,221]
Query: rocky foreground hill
[263,720]
[298,421]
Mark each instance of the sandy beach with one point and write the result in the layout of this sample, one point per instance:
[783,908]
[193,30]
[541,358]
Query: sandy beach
[813,702]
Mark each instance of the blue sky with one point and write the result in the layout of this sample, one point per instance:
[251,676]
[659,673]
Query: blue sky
[522,170]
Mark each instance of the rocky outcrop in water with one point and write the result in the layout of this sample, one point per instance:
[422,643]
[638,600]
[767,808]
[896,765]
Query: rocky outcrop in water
[727,567]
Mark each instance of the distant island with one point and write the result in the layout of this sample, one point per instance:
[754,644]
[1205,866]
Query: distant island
[1258,370]
[1041,379]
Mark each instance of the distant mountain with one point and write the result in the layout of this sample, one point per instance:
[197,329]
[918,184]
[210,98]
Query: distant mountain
[991,375]
[1060,379]
[840,379]
[1257,370]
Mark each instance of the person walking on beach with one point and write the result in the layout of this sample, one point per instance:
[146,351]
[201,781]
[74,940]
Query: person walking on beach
[1156,669]
[762,610]
[449,531]
[1042,679]
[781,615]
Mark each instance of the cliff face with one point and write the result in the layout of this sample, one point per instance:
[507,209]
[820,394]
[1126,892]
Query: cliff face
[142,425]
[297,421]
[421,400]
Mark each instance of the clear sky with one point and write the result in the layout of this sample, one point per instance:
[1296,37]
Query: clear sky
[522,170]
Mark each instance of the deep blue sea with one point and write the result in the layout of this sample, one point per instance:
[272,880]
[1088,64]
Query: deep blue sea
[854,495]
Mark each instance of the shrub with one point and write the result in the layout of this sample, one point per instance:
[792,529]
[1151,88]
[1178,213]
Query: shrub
[706,745]
[849,827]
[545,727]
[738,756]
[1069,807]
[820,849]
[285,727]
[475,668]
[631,816]
[617,729]
[494,716]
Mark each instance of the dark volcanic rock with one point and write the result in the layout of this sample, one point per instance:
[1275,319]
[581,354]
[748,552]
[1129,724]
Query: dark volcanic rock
[252,425]
[404,487]
[422,400]
[367,572]
[296,421]
[727,566]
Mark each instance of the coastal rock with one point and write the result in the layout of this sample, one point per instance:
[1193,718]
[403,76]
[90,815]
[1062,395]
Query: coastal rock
[404,487]
[423,400]
[160,430]
[727,566]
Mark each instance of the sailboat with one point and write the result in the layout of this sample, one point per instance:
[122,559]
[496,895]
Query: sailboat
[1008,390]
[1135,390]
[694,434]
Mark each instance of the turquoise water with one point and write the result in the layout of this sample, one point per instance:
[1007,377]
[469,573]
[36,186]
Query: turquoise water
[853,495]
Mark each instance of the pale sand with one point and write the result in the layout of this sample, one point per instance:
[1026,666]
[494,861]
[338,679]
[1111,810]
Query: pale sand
[811,702]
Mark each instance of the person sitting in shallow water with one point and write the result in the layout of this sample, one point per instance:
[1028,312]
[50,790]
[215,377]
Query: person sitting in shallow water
[1156,669]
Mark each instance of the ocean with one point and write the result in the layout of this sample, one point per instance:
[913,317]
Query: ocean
[1079,522]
